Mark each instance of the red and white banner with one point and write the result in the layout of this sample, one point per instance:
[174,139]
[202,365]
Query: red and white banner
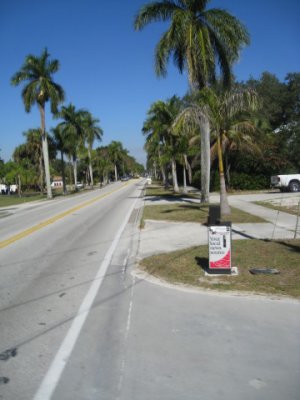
[219,242]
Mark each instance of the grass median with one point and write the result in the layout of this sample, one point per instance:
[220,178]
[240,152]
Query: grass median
[188,266]
[191,212]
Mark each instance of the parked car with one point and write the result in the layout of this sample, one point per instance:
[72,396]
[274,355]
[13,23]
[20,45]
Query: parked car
[3,189]
[13,188]
[80,185]
[289,182]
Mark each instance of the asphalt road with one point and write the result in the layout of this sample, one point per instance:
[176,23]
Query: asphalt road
[57,264]
[77,323]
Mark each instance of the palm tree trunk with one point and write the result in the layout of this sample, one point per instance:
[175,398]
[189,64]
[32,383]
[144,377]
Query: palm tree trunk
[75,171]
[163,174]
[188,168]
[19,185]
[205,159]
[116,173]
[162,170]
[224,206]
[174,176]
[63,172]
[184,180]
[41,171]
[90,167]
[155,171]
[45,151]
[227,169]
[70,169]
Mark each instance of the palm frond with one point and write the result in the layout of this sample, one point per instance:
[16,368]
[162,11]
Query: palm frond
[156,11]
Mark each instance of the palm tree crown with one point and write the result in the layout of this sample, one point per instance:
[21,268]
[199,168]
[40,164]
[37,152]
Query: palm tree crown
[199,39]
[40,88]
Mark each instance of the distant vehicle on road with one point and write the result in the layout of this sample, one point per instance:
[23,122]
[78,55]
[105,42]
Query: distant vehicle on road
[80,185]
[289,182]
[125,178]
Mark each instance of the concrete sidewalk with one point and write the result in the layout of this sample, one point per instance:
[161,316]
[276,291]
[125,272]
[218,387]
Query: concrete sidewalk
[164,236]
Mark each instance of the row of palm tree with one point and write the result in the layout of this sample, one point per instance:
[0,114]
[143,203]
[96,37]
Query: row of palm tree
[202,41]
[172,128]
[77,129]
[106,162]
[78,126]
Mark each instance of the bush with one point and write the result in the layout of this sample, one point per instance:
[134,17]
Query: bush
[242,181]
[238,181]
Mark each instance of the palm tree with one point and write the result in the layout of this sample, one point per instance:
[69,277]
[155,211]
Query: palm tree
[155,144]
[34,151]
[160,126]
[61,140]
[40,88]
[91,132]
[116,154]
[226,113]
[199,39]
[72,127]
[104,164]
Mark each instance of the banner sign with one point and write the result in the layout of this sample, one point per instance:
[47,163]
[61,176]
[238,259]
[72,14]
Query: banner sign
[219,243]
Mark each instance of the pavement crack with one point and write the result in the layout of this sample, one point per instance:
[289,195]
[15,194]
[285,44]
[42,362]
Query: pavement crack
[7,354]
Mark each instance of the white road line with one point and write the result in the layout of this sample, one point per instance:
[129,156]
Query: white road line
[55,370]
[122,369]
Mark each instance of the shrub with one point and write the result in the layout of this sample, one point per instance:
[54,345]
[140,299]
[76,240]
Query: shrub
[242,181]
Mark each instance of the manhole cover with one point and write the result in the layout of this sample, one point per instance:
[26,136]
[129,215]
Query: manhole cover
[264,271]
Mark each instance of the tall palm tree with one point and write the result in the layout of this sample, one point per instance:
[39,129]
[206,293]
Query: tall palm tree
[104,164]
[226,112]
[153,148]
[92,132]
[61,140]
[155,144]
[199,39]
[160,126]
[34,150]
[116,154]
[72,127]
[39,89]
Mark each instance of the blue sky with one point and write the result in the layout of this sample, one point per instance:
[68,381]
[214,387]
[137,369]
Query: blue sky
[108,68]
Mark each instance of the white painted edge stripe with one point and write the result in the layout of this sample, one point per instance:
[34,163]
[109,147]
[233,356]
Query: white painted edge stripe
[55,370]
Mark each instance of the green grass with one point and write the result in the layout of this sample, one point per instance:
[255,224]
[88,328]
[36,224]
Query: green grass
[191,212]
[293,209]
[188,267]
[6,201]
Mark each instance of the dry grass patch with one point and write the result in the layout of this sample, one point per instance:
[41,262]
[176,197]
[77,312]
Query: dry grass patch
[188,267]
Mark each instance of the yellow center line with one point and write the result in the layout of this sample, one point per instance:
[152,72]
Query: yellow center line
[29,231]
